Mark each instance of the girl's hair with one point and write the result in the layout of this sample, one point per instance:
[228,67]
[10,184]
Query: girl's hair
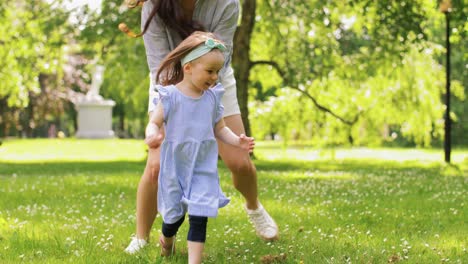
[170,70]
[171,13]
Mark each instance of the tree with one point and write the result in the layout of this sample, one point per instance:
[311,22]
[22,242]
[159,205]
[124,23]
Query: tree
[241,59]
[32,40]
[332,51]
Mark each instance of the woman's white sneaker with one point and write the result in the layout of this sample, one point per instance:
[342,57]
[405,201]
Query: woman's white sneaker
[264,225]
[135,245]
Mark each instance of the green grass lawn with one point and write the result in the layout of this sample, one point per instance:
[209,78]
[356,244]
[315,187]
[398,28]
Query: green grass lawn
[74,201]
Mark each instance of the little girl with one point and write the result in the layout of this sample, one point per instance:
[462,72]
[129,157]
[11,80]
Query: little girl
[190,108]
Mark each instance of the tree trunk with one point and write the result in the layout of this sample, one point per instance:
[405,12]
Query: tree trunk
[122,124]
[4,118]
[28,118]
[241,61]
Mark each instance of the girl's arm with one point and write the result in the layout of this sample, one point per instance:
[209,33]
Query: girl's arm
[153,137]
[227,136]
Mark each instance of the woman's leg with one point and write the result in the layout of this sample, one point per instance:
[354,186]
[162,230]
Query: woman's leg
[147,203]
[244,174]
[244,177]
[147,206]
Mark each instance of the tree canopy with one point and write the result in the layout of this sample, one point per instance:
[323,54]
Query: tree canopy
[370,65]
[336,72]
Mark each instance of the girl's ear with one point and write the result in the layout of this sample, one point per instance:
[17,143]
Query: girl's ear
[187,68]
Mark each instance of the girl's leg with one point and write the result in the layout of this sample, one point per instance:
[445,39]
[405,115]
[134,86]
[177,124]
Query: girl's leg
[167,240]
[146,208]
[196,238]
[244,176]
[195,252]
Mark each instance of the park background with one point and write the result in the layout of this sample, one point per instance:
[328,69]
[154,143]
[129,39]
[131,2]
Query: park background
[345,98]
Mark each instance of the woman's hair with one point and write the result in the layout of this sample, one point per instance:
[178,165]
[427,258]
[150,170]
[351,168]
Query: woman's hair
[170,12]
[170,70]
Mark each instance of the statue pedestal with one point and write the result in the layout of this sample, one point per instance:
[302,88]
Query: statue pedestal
[95,118]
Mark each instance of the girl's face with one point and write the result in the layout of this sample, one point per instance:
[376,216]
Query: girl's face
[203,72]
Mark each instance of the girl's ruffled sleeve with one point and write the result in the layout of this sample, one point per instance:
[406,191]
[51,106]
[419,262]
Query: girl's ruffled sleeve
[165,99]
[153,97]
[218,92]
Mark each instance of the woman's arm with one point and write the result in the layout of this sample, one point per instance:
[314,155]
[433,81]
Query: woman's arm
[156,47]
[155,39]
[226,27]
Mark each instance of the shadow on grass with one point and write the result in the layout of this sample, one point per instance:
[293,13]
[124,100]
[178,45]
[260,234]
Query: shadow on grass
[361,166]
[70,168]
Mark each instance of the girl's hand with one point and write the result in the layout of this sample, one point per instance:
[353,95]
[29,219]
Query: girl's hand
[154,141]
[153,136]
[247,143]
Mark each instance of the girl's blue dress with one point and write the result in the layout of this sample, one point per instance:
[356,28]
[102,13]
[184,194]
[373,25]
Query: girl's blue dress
[188,178]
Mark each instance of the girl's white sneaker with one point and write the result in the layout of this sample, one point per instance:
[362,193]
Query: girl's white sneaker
[135,245]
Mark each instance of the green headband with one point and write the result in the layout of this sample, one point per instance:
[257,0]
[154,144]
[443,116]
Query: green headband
[201,50]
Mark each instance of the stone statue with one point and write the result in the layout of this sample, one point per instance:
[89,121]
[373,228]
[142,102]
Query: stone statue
[94,116]
[93,93]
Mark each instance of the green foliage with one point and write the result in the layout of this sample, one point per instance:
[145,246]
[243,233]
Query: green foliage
[377,65]
[33,43]
[32,39]
[351,58]
[74,201]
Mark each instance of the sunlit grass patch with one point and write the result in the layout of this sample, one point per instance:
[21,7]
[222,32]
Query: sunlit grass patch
[75,150]
[277,151]
[79,206]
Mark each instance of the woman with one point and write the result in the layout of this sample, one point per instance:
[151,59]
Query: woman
[165,23]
